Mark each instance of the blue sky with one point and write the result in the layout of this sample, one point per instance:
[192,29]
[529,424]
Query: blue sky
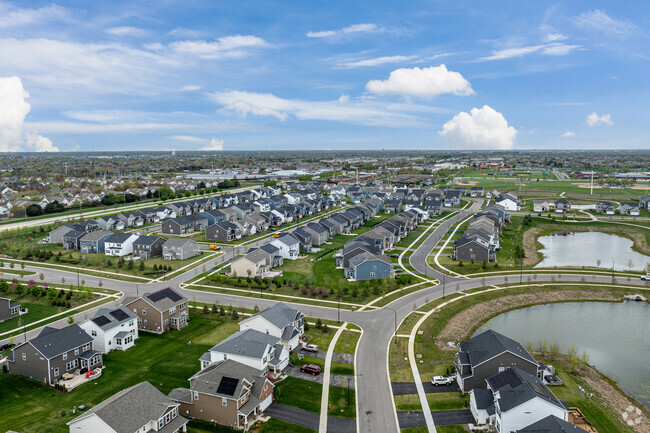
[307,75]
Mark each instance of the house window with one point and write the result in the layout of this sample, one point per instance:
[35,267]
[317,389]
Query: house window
[166,321]
[76,351]
[139,321]
[144,312]
[56,372]
[168,417]
[161,423]
[372,275]
[65,356]
[131,323]
[145,322]
[93,333]
[24,357]
[224,401]
[172,310]
[196,395]
[86,347]
[225,356]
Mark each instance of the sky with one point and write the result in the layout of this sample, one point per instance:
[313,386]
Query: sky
[315,75]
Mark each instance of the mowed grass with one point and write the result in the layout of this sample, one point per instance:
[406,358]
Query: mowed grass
[339,405]
[437,401]
[336,367]
[347,342]
[275,425]
[37,311]
[299,393]
[166,361]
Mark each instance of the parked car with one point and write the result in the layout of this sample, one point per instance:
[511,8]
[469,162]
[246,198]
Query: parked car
[394,256]
[645,277]
[398,271]
[310,368]
[6,346]
[310,348]
[442,380]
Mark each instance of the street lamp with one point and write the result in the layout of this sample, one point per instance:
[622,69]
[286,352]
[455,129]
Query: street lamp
[395,312]
[349,378]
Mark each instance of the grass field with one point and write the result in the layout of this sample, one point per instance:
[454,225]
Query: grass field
[299,393]
[437,401]
[342,402]
[29,406]
[347,342]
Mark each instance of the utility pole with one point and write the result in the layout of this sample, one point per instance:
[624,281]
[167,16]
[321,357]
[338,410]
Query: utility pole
[521,271]
[444,279]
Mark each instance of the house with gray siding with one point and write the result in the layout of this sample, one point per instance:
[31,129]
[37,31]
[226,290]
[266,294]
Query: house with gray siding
[53,353]
[224,231]
[10,309]
[147,247]
[180,248]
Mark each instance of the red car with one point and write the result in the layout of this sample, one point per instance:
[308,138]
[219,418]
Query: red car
[310,368]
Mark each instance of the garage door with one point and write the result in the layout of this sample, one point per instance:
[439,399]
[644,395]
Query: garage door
[266,402]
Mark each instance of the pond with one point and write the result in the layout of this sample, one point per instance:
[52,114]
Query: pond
[614,335]
[591,249]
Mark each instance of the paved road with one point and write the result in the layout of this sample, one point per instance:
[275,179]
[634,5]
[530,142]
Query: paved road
[310,419]
[375,406]
[405,388]
[440,417]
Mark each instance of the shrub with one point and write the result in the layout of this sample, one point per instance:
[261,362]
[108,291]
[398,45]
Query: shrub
[325,329]
[206,310]
[215,309]
[319,324]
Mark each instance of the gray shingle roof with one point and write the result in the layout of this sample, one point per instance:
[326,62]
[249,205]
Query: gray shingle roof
[551,424]
[130,409]
[516,387]
[119,237]
[178,242]
[111,317]
[207,381]
[146,240]
[95,235]
[489,344]
[52,342]
[246,343]
[280,315]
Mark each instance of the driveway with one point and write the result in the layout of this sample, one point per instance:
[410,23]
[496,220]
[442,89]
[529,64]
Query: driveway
[440,417]
[335,379]
[309,419]
[347,358]
[404,388]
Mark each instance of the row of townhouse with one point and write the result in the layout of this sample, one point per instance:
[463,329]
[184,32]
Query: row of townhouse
[560,206]
[625,208]
[508,387]
[481,240]
[87,237]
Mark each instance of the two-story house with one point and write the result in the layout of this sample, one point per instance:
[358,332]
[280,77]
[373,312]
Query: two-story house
[281,321]
[224,231]
[288,246]
[112,329]
[147,247]
[94,242]
[137,409]
[119,244]
[53,353]
[10,309]
[180,248]
[159,311]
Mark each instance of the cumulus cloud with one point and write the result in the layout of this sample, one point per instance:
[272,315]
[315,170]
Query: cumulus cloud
[482,128]
[343,109]
[424,83]
[594,120]
[355,28]
[568,134]
[214,145]
[600,21]
[13,109]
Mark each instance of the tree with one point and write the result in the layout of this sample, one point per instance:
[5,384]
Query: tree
[33,210]
[206,310]
[215,309]
[70,319]
[234,316]
[41,276]
[141,267]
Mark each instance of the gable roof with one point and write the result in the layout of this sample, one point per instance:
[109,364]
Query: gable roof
[551,424]
[178,242]
[516,387]
[146,240]
[211,379]
[52,342]
[130,409]
[489,344]
[162,299]
[280,315]
[119,237]
[107,318]
[249,342]
[96,235]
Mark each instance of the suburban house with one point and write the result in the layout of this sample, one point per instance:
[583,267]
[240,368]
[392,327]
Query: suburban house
[508,202]
[368,266]
[10,309]
[562,206]
[476,247]
[180,248]
[149,215]
[119,244]
[159,311]
[393,206]
[147,247]
[644,201]
[519,399]
[53,353]
[112,329]
[255,263]
[140,408]
[452,198]
[214,216]
[224,231]
[304,238]
[111,223]
[281,321]
[94,242]
[256,349]
[227,392]
[184,224]
[56,235]
[605,207]
[541,205]
[288,246]
[131,219]
[629,208]
[476,191]
[551,424]
[486,354]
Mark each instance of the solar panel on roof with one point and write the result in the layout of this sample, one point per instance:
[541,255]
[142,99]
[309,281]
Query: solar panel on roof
[227,385]
[101,320]
[165,293]
[119,315]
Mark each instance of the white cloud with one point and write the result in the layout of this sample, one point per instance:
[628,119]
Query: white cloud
[600,21]
[425,82]
[594,120]
[482,128]
[355,28]
[554,37]
[15,17]
[188,138]
[553,49]
[214,145]
[190,88]
[568,134]
[227,46]
[344,109]
[13,109]
[126,31]
[375,61]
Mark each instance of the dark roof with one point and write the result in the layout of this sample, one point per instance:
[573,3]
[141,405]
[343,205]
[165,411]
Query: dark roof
[52,342]
[163,299]
[551,424]
[484,399]
[270,248]
[226,379]
[516,387]
[279,315]
[146,240]
[489,344]
[107,318]
[249,343]
[119,237]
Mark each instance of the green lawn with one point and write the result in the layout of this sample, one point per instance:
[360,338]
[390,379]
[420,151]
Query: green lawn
[347,342]
[437,401]
[338,400]
[29,406]
[200,426]
[37,310]
[341,368]
[277,426]
[299,393]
